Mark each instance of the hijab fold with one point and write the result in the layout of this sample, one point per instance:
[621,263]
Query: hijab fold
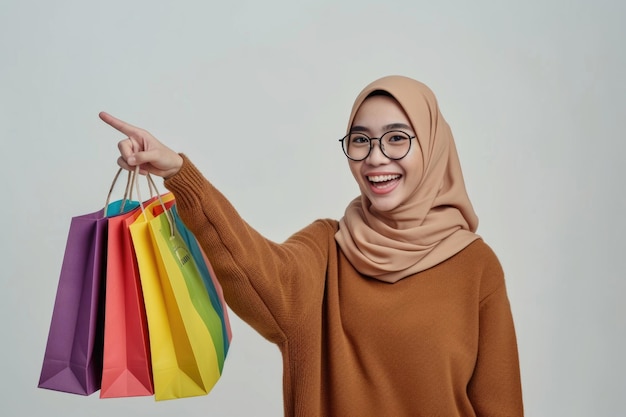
[435,222]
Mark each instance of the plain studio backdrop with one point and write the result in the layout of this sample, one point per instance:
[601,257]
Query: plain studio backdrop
[257,94]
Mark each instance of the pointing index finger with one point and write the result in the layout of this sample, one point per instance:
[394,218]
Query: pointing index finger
[120,125]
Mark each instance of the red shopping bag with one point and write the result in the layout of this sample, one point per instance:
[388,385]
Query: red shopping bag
[126,368]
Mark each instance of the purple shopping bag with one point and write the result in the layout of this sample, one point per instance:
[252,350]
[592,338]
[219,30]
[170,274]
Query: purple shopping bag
[74,350]
[73,357]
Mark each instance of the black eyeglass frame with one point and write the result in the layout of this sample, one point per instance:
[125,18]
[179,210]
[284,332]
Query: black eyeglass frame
[380,145]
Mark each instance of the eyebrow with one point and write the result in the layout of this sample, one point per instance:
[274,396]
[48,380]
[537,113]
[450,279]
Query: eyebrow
[391,126]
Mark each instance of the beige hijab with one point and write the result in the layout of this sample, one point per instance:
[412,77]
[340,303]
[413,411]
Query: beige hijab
[435,222]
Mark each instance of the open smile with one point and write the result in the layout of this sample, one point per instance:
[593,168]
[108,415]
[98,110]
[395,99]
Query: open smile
[382,184]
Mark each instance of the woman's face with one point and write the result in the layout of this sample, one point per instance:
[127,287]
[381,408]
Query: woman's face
[385,182]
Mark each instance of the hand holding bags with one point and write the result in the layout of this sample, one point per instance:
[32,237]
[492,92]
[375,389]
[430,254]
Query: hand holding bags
[188,335]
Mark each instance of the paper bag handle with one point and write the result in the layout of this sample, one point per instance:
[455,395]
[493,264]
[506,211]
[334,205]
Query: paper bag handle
[152,187]
[127,191]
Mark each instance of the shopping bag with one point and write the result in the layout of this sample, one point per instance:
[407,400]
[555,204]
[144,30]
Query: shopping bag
[201,320]
[126,367]
[178,308]
[221,332]
[223,336]
[73,355]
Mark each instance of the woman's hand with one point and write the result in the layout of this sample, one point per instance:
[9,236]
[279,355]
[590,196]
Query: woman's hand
[143,149]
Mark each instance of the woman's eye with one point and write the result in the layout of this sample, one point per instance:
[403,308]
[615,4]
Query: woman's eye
[397,138]
[359,140]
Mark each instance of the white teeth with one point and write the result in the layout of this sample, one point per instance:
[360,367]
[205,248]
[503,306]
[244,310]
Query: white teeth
[382,178]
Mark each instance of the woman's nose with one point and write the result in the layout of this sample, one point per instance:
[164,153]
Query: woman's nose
[376,156]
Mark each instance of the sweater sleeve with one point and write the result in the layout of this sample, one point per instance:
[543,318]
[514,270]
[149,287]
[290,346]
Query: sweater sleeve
[495,387]
[268,285]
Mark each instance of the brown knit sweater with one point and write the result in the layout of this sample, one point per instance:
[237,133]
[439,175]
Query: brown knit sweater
[439,343]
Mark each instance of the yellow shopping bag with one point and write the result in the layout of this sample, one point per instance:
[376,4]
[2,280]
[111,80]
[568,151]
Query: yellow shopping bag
[184,360]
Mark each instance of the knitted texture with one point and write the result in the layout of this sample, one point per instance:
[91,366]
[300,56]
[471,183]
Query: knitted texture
[438,343]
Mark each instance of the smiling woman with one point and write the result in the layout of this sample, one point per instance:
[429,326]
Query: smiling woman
[389,173]
[424,201]
[398,308]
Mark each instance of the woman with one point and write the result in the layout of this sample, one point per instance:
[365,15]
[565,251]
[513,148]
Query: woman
[399,308]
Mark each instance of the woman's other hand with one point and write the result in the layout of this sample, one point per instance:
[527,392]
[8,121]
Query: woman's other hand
[143,149]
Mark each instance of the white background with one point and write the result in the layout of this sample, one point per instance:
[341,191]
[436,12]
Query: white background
[257,94]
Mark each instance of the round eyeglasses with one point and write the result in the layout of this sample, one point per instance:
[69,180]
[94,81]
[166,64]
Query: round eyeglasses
[394,144]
